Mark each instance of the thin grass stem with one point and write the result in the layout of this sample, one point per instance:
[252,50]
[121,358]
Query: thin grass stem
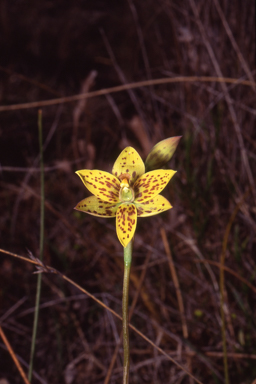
[41,249]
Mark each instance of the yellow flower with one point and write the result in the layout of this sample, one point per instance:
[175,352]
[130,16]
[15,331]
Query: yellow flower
[127,194]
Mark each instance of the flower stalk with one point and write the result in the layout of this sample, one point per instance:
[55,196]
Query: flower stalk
[127,267]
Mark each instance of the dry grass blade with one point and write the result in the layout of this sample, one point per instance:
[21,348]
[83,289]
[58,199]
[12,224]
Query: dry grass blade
[47,269]
[245,162]
[121,88]
[123,79]
[16,361]
[234,43]
[223,307]
[192,244]
[178,294]
[229,270]
[31,81]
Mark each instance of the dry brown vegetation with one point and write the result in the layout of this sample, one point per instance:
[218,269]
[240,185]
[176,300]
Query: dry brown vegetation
[55,49]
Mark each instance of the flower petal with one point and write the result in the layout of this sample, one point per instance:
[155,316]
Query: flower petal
[161,153]
[153,206]
[129,161]
[101,184]
[97,207]
[126,221]
[151,184]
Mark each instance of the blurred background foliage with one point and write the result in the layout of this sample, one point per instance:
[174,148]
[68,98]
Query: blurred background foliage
[53,49]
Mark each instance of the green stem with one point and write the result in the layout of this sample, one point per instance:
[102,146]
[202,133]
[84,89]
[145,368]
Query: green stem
[41,250]
[127,266]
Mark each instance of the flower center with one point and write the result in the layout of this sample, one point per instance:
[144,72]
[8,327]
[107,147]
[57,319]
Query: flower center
[126,192]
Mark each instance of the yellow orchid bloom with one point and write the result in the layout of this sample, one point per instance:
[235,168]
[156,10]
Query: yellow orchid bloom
[127,193]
